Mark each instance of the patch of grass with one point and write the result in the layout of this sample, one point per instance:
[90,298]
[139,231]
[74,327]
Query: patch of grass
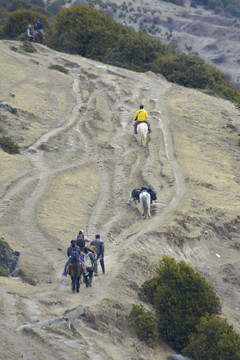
[3,272]
[8,145]
[28,47]
[21,273]
[5,244]
[58,68]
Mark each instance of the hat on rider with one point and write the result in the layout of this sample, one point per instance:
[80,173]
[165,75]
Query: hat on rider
[81,231]
[73,242]
[29,26]
[141,106]
[38,20]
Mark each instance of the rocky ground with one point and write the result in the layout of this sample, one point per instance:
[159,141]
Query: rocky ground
[79,161]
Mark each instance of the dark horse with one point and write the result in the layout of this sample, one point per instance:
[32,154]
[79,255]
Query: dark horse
[75,270]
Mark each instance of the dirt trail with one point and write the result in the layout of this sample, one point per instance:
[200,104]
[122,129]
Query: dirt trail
[82,179]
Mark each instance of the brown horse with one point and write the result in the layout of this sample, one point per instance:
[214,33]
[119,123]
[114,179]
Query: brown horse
[39,37]
[75,270]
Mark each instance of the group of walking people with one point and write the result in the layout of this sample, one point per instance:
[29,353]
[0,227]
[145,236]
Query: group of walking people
[88,256]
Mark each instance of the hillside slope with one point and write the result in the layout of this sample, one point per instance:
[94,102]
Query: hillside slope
[215,37]
[86,162]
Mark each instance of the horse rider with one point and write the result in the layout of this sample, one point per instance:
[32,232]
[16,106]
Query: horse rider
[82,239]
[30,33]
[141,116]
[39,27]
[100,253]
[89,261]
[69,252]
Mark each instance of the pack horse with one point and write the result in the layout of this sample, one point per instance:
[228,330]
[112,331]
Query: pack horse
[145,201]
[142,130]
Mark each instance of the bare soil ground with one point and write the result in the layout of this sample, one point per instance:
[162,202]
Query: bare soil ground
[87,161]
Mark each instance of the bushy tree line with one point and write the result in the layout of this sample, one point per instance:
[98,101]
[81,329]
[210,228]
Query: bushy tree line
[231,7]
[85,31]
[187,312]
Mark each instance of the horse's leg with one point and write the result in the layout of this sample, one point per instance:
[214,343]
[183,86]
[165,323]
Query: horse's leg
[73,284]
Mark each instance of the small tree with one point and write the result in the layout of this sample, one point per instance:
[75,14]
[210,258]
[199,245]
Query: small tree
[214,339]
[181,297]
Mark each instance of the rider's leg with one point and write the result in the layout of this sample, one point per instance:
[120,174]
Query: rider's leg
[149,127]
[65,268]
[135,127]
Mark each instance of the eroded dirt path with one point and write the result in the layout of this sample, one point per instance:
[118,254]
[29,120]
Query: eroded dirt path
[80,176]
[108,96]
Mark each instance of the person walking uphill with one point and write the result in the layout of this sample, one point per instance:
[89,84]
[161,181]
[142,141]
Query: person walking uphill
[89,261]
[141,116]
[100,252]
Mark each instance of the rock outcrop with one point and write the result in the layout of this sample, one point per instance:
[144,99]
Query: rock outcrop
[9,259]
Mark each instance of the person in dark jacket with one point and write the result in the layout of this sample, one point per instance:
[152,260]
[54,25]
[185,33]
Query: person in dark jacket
[38,25]
[100,253]
[39,33]
[70,249]
[82,239]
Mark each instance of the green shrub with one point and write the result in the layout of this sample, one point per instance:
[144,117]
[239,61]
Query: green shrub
[18,21]
[21,273]
[214,339]
[145,324]
[5,244]
[7,145]
[28,47]
[181,297]
[3,272]
[85,31]
[18,4]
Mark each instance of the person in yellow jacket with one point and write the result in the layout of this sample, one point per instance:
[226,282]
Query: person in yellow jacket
[141,115]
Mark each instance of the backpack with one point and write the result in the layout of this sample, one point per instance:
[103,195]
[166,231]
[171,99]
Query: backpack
[80,241]
[32,31]
[136,193]
[152,192]
[74,256]
[87,261]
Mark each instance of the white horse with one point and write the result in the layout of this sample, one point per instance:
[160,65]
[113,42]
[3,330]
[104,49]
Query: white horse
[142,130]
[145,201]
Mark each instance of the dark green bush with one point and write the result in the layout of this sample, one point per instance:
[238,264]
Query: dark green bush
[214,339]
[181,297]
[3,272]
[17,5]
[145,324]
[85,31]
[18,21]
[3,15]
[7,145]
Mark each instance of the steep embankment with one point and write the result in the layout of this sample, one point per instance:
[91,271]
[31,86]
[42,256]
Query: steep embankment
[86,162]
